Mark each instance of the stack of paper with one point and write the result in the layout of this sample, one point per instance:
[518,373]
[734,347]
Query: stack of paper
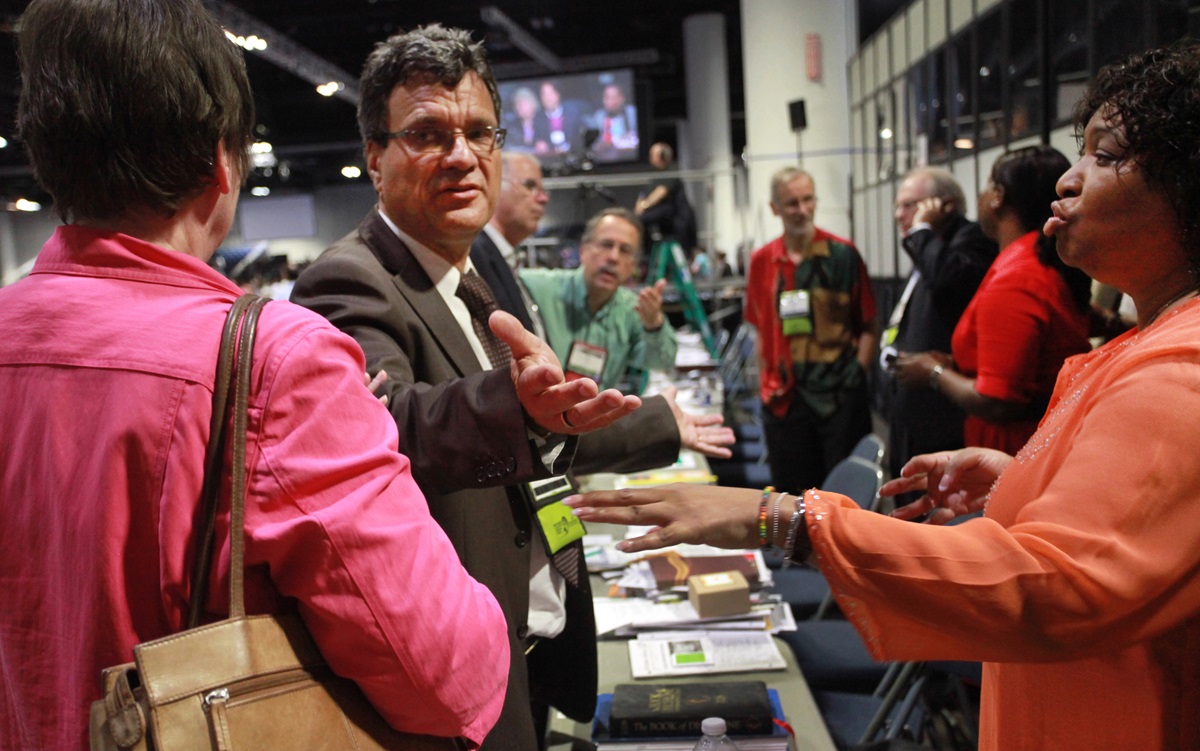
[628,616]
[676,653]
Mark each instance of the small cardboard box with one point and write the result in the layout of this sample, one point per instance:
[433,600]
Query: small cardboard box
[719,594]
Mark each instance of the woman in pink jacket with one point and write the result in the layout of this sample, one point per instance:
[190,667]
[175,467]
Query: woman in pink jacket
[137,116]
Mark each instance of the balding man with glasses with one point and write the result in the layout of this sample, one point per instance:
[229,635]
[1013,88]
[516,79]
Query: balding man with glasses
[484,411]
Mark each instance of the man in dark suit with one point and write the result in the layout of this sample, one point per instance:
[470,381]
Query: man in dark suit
[950,255]
[475,424]
[519,210]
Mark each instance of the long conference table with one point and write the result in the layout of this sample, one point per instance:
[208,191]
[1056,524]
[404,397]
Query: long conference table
[799,707]
[700,393]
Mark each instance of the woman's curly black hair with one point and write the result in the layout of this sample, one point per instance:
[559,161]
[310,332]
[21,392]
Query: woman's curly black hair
[1155,96]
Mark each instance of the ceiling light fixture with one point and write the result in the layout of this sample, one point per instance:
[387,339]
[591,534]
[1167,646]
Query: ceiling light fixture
[351,172]
[253,42]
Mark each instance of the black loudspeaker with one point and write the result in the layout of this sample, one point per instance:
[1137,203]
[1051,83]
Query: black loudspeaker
[796,115]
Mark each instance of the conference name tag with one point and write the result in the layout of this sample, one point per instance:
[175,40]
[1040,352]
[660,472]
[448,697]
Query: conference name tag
[585,361]
[795,312]
[559,526]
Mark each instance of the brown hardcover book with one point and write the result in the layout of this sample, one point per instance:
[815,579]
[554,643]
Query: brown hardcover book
[660,709]
[672,569]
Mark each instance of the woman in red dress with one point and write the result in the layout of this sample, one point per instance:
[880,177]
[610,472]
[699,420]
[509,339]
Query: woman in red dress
[1029,314]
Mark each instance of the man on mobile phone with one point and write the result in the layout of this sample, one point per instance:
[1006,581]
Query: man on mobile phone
[949,254]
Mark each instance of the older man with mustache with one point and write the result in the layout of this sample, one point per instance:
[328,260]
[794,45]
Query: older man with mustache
[598,329]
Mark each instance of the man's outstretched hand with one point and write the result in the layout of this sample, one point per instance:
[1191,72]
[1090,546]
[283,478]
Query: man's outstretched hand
[549,399]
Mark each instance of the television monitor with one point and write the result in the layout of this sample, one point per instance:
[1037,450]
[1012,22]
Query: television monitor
[573,121]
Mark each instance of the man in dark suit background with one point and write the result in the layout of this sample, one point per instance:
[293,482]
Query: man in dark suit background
[475,424]
[519,210]
[950,255]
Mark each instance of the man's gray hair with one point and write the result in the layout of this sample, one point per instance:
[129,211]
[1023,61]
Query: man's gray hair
[785,175]
[941,184]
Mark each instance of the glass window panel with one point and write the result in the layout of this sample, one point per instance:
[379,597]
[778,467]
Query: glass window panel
[899,36]
[918,111]
[1172,20]
[870,81]
[853,75]
[885,135]
[939,125]
[1068,56]
[904,154]
[989,39]
[1024,80]
[882,65]
[1120,29]
[859,146]
[916,32]
[962,96]
[870,140]
[960,14]
[860,213]
[936,17]
[964,173]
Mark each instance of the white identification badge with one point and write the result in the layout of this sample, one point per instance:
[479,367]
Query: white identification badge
[795,312]
[793,303]
[585,361]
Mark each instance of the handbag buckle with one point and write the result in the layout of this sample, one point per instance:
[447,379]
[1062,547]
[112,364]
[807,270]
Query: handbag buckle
[220,694]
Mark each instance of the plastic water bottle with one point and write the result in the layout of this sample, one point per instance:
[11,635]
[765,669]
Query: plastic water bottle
[714,736]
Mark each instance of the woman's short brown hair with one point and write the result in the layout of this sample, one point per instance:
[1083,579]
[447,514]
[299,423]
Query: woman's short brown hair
[124,102]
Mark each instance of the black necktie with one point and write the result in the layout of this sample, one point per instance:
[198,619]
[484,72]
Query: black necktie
[473,291]
[566,561]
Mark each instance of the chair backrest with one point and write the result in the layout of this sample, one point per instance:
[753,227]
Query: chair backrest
[870,447]
[855,478]
[733,354]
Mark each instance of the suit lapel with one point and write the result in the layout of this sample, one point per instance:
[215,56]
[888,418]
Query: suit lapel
[415,285]
[490,264]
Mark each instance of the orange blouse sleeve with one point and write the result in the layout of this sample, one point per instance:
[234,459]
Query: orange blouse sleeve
[1091,539]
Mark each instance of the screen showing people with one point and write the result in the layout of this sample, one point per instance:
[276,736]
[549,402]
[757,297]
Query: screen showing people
[569,119]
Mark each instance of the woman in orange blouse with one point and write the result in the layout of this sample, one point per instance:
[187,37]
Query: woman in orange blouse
[1079,588]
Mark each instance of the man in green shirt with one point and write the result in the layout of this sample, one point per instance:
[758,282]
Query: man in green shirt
[597,327]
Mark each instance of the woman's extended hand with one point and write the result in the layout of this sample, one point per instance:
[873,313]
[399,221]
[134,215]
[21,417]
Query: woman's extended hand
[912,369]
[954,483]
[702,514]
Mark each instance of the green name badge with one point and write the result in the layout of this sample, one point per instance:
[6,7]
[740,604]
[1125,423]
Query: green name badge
[559,526]
[797,326]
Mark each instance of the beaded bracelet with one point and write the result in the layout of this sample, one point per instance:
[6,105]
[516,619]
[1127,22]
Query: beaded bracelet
[762,517]
[789,546]
[775,519]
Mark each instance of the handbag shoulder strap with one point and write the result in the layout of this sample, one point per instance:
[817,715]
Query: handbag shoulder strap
[233,365]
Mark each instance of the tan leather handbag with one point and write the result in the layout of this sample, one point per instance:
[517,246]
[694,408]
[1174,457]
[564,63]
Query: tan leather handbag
[253,683]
